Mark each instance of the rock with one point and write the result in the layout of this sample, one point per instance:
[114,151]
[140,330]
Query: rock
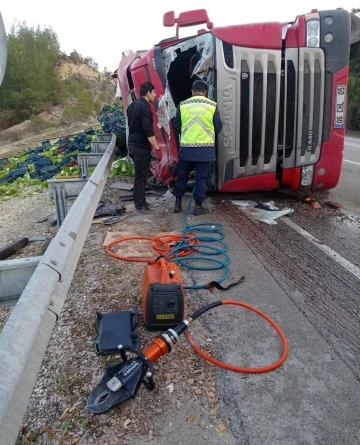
[220,428]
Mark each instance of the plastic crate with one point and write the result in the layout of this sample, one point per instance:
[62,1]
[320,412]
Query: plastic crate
[42,161]
[65,161]
[18,172]
[46,144]
[6,179]
[24,163]
[39,149]
[50,169]
[71,148]
[62,141]
[4,162]
[42,176]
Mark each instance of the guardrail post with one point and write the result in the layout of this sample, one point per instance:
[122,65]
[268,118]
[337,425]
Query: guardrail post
[99,147]
[87,159]
[104,137]
[61,189]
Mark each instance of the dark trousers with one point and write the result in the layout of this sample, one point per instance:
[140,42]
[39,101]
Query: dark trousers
[202,171]
[142,159]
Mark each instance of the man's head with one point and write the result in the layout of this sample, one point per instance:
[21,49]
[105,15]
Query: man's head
[147,91]
[199,88]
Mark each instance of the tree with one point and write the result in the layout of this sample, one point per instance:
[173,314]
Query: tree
[106,72]
[31,80]
[76,57]
[91,62]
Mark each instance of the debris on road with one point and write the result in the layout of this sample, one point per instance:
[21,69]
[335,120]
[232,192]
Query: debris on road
[122,186]
[264,212]
[36,238]
[333,205]
[309,200]
[315,205]
[13,247]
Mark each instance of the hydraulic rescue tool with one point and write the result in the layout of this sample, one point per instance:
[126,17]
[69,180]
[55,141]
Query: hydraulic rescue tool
[122,381]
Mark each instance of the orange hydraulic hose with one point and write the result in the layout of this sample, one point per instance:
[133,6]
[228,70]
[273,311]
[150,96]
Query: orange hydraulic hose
[240,368]
[159,245]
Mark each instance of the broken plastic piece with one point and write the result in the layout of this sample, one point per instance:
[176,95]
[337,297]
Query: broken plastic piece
[264,212]
[37,238]
[267,206]
[12,248]
[315,205]
[107,208]
[114,220]
[122,186]
[309,200]
[333,205]
[114,329]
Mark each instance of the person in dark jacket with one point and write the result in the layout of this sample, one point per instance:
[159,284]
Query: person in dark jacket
[197,122]
[140,140]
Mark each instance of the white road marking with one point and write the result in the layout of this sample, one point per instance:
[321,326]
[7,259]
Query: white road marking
[351,145]
[351,162]
[331,253]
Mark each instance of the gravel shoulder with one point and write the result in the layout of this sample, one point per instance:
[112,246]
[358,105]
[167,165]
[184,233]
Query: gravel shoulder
[183,408]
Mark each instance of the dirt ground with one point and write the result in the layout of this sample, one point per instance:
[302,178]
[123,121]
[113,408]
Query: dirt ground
[185,397]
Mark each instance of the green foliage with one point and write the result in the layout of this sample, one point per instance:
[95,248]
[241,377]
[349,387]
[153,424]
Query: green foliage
[123,167]
[19,187]
[31,81]
[91,62]
[76,57]
[70,171]
[79,98]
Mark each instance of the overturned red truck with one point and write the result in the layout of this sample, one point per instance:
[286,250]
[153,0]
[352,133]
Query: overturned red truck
[281,90]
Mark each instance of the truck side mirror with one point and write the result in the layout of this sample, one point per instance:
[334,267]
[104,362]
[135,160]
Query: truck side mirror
[169,19]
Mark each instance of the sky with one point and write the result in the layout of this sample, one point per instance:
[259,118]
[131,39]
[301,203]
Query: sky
[102,30]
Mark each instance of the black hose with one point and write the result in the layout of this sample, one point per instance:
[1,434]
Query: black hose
[204,309]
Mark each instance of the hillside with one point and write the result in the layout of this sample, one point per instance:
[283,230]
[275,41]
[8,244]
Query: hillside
[87,91]
[46,92]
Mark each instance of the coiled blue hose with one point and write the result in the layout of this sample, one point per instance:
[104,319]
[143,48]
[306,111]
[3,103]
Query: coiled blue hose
[207,232]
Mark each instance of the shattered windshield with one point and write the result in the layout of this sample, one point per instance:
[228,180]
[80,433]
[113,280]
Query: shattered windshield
[183,63]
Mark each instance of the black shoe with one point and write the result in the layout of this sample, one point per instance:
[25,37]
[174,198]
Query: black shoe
[142,211]
[147,206]
[177,208]
[199,210]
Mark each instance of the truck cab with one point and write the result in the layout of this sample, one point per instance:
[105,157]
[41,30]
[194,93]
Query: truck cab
[281,91]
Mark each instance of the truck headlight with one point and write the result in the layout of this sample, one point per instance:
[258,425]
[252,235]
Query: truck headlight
[313,33]
[307,174]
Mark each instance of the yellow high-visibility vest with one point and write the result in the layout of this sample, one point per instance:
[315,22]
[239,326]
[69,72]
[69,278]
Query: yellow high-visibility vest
[197,122]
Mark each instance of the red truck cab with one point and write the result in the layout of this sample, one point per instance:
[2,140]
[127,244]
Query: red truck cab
[281,91]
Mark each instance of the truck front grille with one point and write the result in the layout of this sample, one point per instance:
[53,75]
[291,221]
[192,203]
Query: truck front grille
[310,110]
[272,108]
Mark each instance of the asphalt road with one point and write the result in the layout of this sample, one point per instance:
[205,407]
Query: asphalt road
[312,290]
[341,233]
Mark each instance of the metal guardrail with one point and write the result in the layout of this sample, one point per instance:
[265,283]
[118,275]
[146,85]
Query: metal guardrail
[25,336]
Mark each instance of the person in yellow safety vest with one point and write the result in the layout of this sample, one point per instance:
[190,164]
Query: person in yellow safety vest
[197,122]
